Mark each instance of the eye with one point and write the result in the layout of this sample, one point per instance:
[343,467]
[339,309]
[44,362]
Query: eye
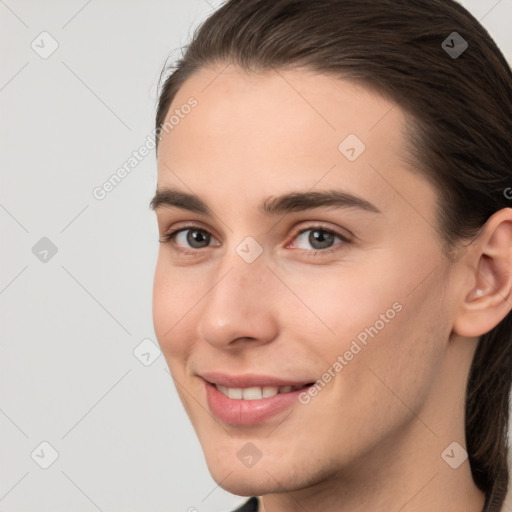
[190,239]
[193,236]
[320,238]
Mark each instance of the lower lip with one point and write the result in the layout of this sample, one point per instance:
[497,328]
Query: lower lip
[247,412]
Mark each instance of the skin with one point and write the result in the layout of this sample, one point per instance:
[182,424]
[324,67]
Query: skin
[372,438]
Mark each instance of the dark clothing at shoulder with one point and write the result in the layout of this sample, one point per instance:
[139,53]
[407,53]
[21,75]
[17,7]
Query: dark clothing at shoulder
[249,506]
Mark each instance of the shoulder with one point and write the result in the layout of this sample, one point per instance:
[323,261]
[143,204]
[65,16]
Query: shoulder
[251,505]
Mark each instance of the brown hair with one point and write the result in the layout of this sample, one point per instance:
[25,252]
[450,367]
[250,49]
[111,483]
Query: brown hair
[459,134]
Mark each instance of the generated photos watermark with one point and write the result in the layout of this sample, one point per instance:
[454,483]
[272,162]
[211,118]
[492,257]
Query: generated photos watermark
[343,360]
[100,192]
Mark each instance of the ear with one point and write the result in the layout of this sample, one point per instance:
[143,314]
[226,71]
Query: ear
[486,297]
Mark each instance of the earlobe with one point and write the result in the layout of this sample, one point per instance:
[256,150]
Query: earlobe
[489,264]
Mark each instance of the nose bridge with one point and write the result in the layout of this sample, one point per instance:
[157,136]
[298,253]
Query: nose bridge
[243,271]
[238,303]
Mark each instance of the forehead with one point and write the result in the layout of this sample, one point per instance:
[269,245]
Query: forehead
[281,105]
[262,132]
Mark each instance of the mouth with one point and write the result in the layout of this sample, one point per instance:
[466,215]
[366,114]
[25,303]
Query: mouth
[250,400]
[257,392]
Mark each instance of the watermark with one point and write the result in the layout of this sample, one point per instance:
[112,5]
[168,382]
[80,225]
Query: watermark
[146,352]
[44,250]
[352,147]
[454,45]
[508,193]
[44,45]
[249,249]
[176,117]
[343,360]
[454,455]
[44,455]
[101,191]
[249,454]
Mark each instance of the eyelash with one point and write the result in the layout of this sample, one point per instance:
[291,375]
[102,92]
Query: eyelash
[169,238]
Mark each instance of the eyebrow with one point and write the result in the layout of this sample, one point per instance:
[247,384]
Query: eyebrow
[287,203]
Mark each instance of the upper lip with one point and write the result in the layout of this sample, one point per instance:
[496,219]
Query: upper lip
[250,380]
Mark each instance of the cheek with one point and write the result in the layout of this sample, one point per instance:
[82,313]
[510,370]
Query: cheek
[336,305]
[382,323]
[374,390]
[173,297]
[394,372]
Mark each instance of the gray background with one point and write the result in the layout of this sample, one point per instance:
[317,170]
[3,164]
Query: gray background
[72,320]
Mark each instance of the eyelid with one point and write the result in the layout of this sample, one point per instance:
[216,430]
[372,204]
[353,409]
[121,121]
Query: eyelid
[184,226]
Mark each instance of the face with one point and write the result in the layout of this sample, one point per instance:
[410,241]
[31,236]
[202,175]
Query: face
[344,286]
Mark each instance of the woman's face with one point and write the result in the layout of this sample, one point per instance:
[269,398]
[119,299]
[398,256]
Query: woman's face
[352,292]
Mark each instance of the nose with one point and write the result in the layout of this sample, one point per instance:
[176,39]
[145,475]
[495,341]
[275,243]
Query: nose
[240,306]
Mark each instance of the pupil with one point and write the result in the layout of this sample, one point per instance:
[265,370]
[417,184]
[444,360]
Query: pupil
[196,236]
[324,238]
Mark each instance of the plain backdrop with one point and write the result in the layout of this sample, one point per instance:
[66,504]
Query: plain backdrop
[89,417]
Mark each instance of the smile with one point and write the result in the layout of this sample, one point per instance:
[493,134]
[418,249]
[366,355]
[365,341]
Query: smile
[257,392]
[248,406]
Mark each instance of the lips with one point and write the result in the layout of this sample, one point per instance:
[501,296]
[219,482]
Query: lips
[245,400]
[243,412]
[252,380]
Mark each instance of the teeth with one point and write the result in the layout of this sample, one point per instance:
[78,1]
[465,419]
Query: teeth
[254,393]
[235,393]
[269,391]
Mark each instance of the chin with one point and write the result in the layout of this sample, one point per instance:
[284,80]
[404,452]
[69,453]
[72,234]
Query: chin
[247,483]
[265,477]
